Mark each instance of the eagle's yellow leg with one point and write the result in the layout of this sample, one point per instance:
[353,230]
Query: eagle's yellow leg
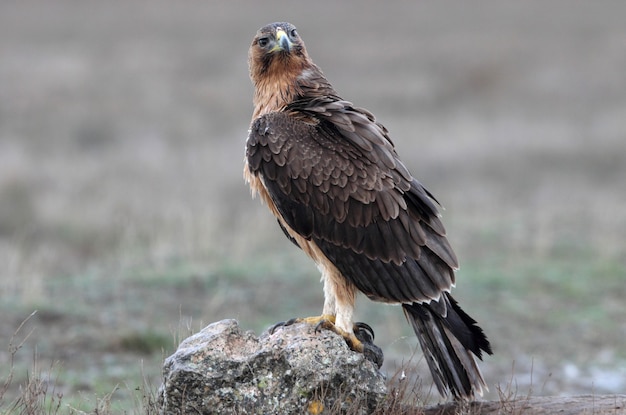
[329,324]
[326,321]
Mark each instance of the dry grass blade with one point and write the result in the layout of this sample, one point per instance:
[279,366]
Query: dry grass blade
[38,394]
[13,349]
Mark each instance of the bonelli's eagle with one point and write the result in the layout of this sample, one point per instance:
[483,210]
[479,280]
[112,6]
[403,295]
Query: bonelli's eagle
[330,174]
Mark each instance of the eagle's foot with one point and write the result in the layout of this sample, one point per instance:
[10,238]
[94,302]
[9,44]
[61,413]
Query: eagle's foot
[329,324]
[316,321]
[360,340]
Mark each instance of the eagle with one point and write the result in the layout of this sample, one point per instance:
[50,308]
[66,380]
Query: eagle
[330,173]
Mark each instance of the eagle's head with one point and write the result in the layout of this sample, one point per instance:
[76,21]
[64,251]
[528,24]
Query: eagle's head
[276,50]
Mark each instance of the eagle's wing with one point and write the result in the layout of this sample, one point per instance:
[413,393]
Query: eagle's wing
[335,178]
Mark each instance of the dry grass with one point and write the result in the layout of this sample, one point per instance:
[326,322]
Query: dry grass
[39,397]
[37,394]
[123,215]
[406,396]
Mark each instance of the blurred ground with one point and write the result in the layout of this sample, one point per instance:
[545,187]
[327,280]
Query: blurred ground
[125,221]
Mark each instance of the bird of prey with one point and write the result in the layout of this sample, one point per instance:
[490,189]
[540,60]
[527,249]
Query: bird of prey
[330,174]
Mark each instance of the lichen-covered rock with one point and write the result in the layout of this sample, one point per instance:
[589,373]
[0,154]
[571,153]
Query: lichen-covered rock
[222,370]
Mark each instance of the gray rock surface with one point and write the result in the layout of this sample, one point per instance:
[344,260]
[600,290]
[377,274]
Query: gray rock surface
[223,370]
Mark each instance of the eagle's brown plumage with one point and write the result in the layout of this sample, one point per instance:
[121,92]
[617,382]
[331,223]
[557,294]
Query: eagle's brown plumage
[330,174]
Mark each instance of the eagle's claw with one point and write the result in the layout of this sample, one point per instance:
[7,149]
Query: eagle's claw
[365,334]
[323,321]
[325,324]
[289,322]
[366,330]
[361,340]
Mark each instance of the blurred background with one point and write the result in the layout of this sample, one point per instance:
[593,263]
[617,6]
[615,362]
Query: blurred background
[125,221]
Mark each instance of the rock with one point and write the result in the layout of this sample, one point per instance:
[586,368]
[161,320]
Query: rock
[222,370]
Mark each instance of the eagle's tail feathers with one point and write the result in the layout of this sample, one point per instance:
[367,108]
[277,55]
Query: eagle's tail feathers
[451,360]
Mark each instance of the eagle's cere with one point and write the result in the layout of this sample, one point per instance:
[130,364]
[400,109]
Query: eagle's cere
[330,174]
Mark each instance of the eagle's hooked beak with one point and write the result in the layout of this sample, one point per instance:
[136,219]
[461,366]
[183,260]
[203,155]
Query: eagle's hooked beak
[282,41]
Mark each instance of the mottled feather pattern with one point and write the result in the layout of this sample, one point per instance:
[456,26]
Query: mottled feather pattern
[353,204]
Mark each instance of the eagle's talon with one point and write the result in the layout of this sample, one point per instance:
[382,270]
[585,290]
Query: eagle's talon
[273,328]
[364,331]
[323,321]
[324,324]
[361,340]
[291,321]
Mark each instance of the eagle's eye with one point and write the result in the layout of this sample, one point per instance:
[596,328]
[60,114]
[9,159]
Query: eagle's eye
[293,34]
[263,41]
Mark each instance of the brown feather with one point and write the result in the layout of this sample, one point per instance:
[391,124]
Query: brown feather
[331,175]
